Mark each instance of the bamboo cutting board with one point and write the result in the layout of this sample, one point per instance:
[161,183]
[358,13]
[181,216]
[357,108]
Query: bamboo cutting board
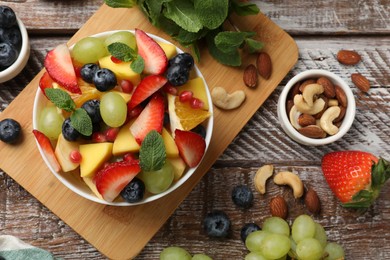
[122,232]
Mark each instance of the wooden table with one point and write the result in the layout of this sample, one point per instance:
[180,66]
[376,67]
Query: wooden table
[320,30]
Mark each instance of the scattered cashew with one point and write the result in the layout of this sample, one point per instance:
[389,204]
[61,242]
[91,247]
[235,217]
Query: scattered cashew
[304,108]
[310,91]
[261,176]
[292,180]
[227,101]
[294,115]
[326,120]
[333,102]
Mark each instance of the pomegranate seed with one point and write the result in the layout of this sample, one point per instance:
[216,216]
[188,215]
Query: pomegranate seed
[98,137]
[196,103]
[129,157]
[115,60]
[168,88]
[75,156]
[134,112]
[127,86]
[111,133]
[186,96]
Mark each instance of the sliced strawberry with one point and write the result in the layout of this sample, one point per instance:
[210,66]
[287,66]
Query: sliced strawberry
[58,64]
[47,148]
[45,82]
[114,177]
[151,118]
[145,89]
[191,146]
[155,59]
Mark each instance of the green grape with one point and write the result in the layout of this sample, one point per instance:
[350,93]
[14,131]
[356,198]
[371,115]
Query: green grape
[303,227]
[320,235]
[113,109]
[275,246]
[123,37]
[174,253]
[276,225]
[254,240]
[158,181]
[89,50]
[334,251]
[255,256]
[309,249]
[50,122]
[201,257]
[293,248]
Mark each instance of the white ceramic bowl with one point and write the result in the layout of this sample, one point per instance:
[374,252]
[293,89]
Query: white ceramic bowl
[21,61]
[74,182]
[284,118]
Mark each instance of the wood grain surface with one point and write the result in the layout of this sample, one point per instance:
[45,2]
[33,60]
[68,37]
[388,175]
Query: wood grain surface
[320,31]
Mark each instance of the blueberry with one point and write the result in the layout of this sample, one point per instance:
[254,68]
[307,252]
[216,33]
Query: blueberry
[104,80]
[199,129]
[242,196]
[10,130]
[177,75]
[92,107]
[12,36]
[247,229]
[69,132]
[183,60]
[134,191]
[88,71]
[8,55]
[7,17]
[216,224]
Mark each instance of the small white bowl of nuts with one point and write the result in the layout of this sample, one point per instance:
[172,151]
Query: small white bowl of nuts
[316,107]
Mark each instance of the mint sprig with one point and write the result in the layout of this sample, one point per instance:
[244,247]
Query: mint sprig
[79,118]
[152,154]
[124,53]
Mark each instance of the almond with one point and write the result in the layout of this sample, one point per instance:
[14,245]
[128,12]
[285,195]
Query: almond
[312,201]
[250,76]
[312,131]
[328,86]
[278,207]
[341,97]
[264,65]
[305,120]
[305,83]
[341,115]
[348,57]
[361,82]
[294,91]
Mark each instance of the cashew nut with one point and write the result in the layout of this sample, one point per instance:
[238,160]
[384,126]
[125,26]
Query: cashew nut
[326,120]
[310,91]
[227,101]
[304,108]
[333,102]
[294,115]
[261,177]
[292,180]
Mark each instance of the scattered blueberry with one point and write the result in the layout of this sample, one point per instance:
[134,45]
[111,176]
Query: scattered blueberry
[216,224]
[242,196]
[88,71]
[134,191]
[69,132]
[183,60]
[8,55]
[12,36]
[7,17]
[104,80]
[177,75]
[10,130]
[92,107]
[247,229]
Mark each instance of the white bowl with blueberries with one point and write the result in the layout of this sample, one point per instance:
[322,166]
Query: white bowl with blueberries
[14,44]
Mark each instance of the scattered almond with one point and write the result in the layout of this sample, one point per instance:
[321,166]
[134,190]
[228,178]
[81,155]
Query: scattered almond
[361,82]
[278,207]
[250,76]
[328,86]
[264,65]
[305,120]
[348,57]
[312,201]
[312,131]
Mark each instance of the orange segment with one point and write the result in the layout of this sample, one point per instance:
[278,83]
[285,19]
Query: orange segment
[88,91]
[188,116]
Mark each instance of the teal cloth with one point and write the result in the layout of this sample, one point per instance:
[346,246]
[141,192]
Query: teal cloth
[12,248]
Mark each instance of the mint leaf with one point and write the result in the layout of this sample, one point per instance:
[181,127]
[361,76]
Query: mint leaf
[153,9]
[138,65]
[186,38]
[152,154]
[122,51]
[212,13]
[230,41]
[81,122]
[183,14]
[121,3]
[60,99]
[243,9]
[232,58]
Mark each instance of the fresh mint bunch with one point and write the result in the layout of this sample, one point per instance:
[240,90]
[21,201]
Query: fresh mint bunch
[190,22]
[79,118]
[124,53]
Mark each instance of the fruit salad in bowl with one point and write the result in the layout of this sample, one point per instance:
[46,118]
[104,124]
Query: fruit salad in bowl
[122,117]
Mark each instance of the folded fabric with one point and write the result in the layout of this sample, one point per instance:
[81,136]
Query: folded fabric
[12,248]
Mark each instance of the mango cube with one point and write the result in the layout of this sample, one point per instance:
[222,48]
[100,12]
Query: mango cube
[169,49]
[92,186]
[125,141]
[93,157]
[121,70]
[170,145]
[198,88]
[179,166]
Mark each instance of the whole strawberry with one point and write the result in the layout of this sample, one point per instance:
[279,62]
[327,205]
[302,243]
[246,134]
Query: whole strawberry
[355,177]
